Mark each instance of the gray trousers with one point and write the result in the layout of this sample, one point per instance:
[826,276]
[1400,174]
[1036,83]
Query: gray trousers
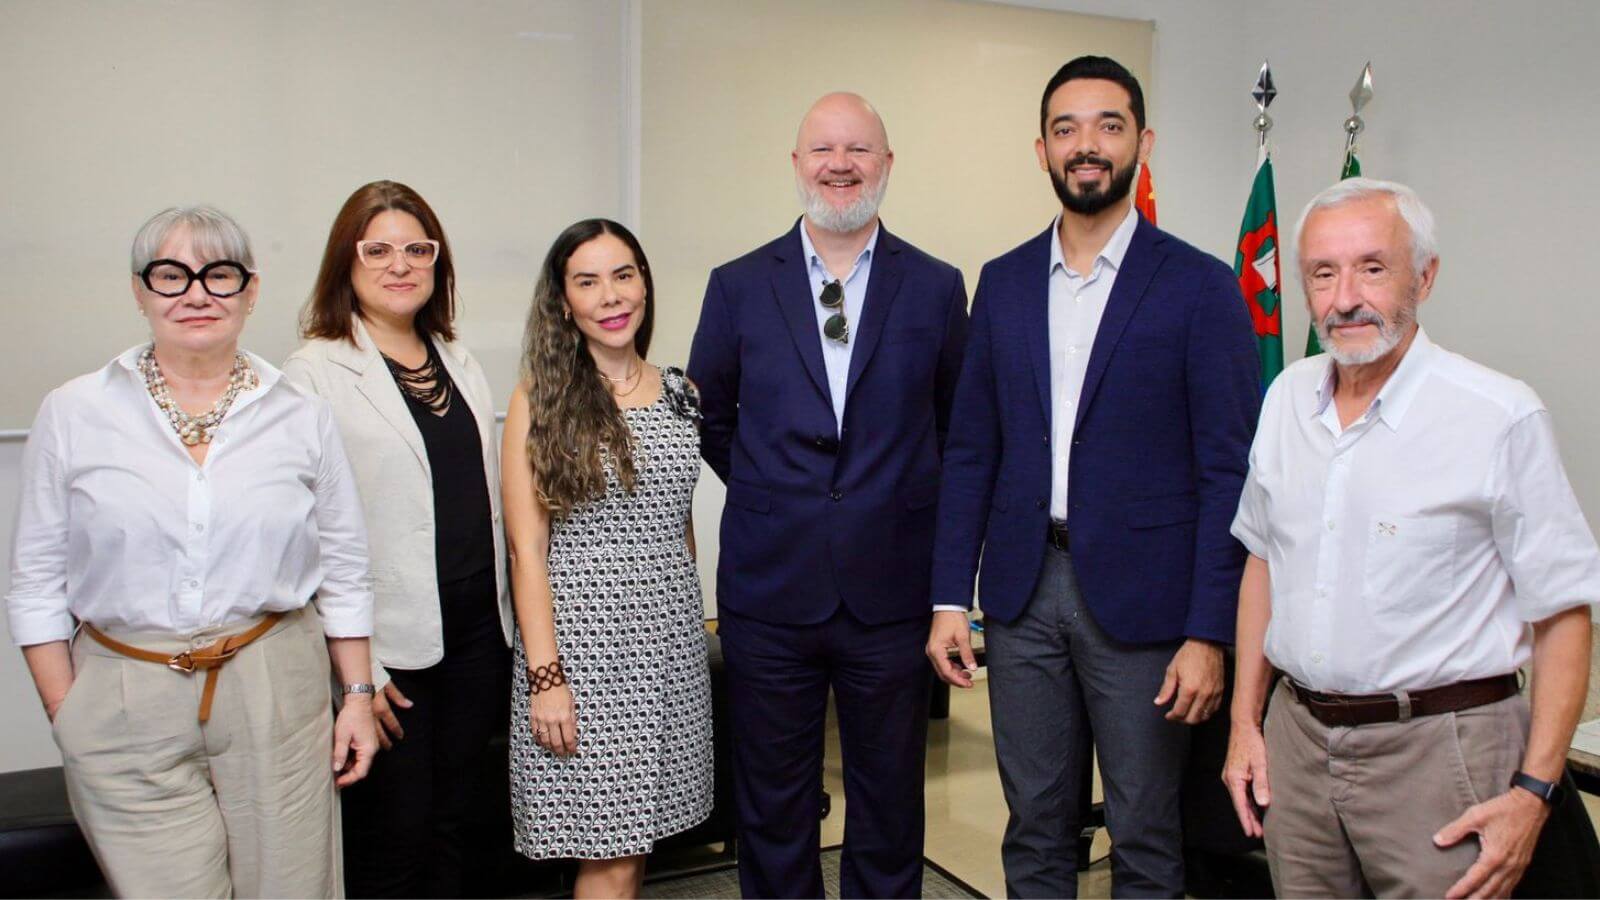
[1050,672]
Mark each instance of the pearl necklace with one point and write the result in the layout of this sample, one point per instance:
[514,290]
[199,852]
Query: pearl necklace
[194,430]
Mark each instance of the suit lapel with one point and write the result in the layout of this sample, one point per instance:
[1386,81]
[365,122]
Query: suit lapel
[1036,314]
[1139,265]
[883,285]
[791,284]
[377,385]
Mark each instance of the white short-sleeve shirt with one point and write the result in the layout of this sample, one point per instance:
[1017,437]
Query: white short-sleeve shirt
[117,526]
[1414,548]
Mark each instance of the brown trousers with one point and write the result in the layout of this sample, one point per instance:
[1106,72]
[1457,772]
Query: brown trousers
[1354,810]
[243,805]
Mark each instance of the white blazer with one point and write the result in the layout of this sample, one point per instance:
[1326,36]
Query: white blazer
[396,484]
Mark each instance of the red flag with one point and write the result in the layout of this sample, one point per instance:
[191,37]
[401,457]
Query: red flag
[1144,195]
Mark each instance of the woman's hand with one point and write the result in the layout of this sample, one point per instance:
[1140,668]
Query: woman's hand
[389,729]
[554,717]
[51,667]
[355,740]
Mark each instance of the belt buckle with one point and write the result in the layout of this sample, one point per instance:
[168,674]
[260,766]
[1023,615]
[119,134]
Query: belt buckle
[182,662]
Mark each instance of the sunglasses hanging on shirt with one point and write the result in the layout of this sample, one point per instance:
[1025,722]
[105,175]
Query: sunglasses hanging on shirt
[837,328]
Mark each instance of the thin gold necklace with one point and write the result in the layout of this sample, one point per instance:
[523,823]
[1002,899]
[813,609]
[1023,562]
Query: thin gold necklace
[637,377]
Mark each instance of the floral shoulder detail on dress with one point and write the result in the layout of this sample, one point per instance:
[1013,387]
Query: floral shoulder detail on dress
[680,395]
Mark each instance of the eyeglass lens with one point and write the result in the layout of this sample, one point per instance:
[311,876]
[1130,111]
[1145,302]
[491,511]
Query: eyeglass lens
[378,254]
[171,278]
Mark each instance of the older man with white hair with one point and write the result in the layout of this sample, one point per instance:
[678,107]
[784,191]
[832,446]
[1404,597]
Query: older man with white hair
[1413,542]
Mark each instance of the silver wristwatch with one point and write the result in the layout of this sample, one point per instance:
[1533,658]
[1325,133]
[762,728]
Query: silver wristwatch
[359,689]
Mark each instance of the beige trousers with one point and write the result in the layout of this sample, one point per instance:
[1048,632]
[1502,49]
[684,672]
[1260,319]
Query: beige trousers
[1354,810]
[243,805]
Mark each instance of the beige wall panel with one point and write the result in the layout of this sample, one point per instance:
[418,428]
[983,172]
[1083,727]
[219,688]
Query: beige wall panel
[503,115]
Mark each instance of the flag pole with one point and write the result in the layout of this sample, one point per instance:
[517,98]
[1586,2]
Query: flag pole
[1360,95]
[1255,261]
[1263,92]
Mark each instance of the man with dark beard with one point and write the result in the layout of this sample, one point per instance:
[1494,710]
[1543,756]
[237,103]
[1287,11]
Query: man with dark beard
[1097,449]
[826,361]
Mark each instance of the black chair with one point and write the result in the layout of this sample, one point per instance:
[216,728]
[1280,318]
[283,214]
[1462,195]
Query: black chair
[42,852]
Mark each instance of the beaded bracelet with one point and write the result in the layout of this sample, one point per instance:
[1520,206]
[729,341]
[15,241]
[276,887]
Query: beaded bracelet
[544,678]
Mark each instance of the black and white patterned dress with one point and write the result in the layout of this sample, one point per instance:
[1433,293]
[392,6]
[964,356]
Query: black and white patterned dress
[631,634]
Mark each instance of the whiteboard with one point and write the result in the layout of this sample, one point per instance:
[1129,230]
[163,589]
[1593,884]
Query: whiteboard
[503,115]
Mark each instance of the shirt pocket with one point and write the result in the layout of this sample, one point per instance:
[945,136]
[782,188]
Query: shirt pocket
[1411,564]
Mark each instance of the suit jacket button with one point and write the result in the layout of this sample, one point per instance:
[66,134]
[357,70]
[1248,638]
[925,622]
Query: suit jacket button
[821,441]
[1039,504]
[836,496]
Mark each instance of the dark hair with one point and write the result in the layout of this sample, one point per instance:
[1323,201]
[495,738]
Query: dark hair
[1101,68]
[573,422]
[333,299]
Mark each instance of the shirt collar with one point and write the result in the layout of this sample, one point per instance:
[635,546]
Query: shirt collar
[813,260]
[1397,394]
[1111,254]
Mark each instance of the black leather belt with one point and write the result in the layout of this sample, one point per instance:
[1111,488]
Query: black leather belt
[1347,710]
[1056,534]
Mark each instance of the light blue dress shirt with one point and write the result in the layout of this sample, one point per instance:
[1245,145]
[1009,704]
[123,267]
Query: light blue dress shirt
[836,355]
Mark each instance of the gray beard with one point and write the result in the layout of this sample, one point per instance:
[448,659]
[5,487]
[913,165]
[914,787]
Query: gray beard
[854,217]
[1389,336]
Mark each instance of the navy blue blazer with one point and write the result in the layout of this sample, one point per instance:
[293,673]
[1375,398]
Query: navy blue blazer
[815,517]
[1159,451]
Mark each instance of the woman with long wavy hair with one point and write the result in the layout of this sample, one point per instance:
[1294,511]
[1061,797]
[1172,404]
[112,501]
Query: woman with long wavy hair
[611,709]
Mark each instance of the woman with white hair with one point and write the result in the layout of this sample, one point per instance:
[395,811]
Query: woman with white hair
[180,509]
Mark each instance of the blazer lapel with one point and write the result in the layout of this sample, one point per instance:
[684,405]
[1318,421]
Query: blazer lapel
[883,285]
[791,284]
[377,385]
[1139,264]
[1035,292]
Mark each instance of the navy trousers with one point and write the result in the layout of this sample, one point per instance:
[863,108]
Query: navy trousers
[778,682]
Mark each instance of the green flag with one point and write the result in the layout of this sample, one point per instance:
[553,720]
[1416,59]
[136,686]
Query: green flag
[1255,262]
[1351,169]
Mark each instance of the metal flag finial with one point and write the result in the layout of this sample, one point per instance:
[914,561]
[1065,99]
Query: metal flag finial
[1263,93]
[1360,95]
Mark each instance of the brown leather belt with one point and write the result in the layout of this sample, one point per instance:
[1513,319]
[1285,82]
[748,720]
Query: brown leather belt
[1348,710]
[211,657]
[1056,533]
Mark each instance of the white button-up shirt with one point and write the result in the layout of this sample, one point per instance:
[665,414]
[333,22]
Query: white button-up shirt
[836,355]
[1414,548]
[117,526]
[1077,302]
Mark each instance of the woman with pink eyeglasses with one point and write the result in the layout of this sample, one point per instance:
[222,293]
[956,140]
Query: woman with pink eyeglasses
[414,408]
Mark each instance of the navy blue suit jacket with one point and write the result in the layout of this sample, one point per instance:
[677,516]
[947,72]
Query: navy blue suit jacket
[814,517]
[1159,455]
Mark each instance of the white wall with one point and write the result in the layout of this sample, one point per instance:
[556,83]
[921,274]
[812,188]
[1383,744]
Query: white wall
[1486,108]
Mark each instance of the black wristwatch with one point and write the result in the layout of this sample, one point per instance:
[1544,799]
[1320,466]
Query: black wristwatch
[1551,793]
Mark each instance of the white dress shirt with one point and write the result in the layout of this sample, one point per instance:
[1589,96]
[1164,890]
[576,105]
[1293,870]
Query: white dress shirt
[836,355]
[1077,303]
[1414,548]
[117,526]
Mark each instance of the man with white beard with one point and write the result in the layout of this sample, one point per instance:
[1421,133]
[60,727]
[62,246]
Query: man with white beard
[1413,542]
[826,361]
